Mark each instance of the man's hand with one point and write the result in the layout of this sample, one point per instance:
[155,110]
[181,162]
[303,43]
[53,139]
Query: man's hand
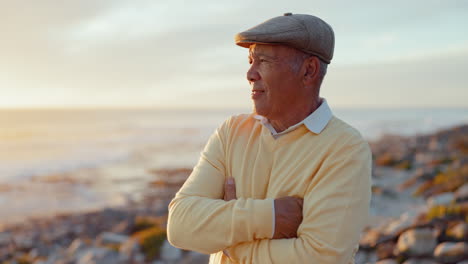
[288,211]
[229,189]
[288,216]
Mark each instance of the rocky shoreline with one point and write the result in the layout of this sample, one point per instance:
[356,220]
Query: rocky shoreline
[134,233]
[420,203]
[437,232]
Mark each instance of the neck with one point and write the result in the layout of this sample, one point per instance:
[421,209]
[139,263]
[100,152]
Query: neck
[294,116]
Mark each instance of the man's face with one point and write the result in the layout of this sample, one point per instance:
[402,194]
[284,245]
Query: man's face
[276,86]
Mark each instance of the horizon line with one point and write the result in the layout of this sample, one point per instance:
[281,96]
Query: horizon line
[152,107]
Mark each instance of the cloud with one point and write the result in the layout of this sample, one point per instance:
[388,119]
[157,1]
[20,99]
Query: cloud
[437,80]
[122,52]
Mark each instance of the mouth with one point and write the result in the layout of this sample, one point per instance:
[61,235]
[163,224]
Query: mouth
[257,93]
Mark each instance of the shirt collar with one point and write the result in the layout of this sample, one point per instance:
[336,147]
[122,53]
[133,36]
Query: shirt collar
[315,122]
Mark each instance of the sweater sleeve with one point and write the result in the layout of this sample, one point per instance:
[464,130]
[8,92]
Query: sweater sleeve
[335,211]
[199,218]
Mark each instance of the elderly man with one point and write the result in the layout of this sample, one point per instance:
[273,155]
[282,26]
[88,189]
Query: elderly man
[289,183]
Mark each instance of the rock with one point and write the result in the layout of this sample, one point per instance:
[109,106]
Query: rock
[77,229]
[108,238]
[6,253]
[449,252]
[369,239]
[129,250]
[441,199]
[195,258]
[169,252]
[387,261]
[76,246]
[420,261]
[24,242]
[396,227]
[365,257]
[459,231]
[42,250]
[383,191]
[385,250]
[33,253]
[98,256]
[462,193]
[139,258]
[417,242]
[55,257]
[123,227]
[5,238]
[425,173]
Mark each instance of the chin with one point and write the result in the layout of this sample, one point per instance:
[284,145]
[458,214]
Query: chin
[259,110]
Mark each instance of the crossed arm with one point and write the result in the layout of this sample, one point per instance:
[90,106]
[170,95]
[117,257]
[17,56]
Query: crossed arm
[334,211]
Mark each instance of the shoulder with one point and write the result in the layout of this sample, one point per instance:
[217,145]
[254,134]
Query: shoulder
[345,137]
[237,121]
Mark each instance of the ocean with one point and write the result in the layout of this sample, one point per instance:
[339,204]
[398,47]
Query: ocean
[40,143]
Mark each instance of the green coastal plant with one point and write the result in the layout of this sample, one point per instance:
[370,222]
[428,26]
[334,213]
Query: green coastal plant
[444,211]
[151,241]
[147,222]
[446,181]
[404,165]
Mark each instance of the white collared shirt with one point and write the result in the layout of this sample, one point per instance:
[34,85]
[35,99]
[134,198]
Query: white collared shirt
[315,122]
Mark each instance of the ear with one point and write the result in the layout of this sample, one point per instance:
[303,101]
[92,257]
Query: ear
[311,69]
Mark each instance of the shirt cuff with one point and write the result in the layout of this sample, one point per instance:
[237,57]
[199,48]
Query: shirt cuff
[274,220]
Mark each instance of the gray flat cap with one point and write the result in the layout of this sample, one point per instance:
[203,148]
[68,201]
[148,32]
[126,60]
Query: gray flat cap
[307,33]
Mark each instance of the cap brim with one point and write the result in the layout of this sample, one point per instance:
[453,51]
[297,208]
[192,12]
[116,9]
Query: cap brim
[246,43]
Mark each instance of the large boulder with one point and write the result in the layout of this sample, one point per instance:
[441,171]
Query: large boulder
[418,242]
[450,252]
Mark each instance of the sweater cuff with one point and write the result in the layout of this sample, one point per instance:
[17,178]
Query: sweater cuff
[262,218]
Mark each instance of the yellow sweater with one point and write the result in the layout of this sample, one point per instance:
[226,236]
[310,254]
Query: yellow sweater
[330,170]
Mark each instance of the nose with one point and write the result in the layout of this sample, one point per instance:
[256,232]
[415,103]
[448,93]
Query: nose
[252,74]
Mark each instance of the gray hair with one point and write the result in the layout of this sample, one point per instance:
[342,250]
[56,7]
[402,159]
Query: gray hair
[298,60]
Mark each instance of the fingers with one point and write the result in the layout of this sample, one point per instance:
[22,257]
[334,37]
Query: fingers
[300,202]
[288,216]
[229,189]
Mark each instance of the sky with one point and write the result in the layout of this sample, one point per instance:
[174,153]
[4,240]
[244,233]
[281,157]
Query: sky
[181,54]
